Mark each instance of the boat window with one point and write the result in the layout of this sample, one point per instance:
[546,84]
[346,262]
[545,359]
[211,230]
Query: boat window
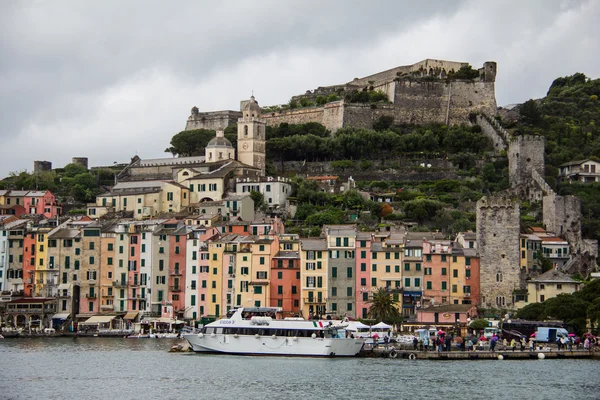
[210,330]
[218,331]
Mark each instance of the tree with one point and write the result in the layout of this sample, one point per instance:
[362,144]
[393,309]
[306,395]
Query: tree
[384,307]
[530,113]
[258,198]
[568,308]
[386,210]
[190,143]
[532,312]
[479,324]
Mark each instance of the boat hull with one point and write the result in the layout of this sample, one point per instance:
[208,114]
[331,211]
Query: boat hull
[275,346]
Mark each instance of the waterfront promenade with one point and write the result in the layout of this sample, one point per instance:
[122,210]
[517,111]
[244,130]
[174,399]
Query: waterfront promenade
[478,355]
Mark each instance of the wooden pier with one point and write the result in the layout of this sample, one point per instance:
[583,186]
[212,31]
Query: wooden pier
[477,355]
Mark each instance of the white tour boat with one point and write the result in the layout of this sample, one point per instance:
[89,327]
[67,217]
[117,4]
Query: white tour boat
[257,331]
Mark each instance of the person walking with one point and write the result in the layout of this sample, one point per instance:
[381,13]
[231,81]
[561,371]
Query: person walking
[513,344]
[426,343]
[586,344]
[523,343]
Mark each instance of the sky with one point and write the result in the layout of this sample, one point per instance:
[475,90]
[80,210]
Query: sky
[111,79]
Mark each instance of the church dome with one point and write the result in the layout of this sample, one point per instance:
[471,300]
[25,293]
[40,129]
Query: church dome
[252,107]
[219,142]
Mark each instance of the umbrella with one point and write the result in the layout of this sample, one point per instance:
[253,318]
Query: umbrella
[533,334]
[483,339]
[441,332]
[494,338]
[571,335]
[375,336]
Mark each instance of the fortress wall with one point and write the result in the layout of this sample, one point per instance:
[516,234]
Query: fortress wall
[296,116]
[467,97]
[358,116]
[212,120]
[333,115]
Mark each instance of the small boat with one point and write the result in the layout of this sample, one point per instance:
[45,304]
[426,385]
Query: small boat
[258,331]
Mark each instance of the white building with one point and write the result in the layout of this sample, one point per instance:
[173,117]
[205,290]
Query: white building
[274,189]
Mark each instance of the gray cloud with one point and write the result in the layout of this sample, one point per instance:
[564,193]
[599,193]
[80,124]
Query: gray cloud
[110,79]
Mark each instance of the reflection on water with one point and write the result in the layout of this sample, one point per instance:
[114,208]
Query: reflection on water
[111,368]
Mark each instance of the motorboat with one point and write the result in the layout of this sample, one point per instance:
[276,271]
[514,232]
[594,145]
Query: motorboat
[259,331]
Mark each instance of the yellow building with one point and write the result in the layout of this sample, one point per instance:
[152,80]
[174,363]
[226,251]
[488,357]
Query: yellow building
[144,199]
[546,286]
[216,252]
[46,273]
[107,271]
[263,250]
[530,245]
[313,277]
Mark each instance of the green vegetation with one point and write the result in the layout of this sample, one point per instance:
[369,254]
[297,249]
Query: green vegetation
[192,143]
[568,117]
[465,72]
[384,308]
[73,182]
[573,309]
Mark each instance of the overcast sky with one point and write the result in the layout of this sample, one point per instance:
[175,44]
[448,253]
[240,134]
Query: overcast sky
[110,79]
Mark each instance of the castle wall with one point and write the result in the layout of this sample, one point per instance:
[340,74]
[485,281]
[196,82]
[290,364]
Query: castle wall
[498,227]
[562,215]
[212,120]
[42,166]
[333,115]
[489,131]
[525,154]
[358,116]
[467,97]
[295,116]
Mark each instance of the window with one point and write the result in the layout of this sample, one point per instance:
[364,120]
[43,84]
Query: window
[334,272]
[428,285]
[363,281]
[455,273]
[279,275]
[558,286]
[454,289]
[294,290]
[406,282]
[349,292]
[279,289]
[407,266]
[418,282]
[349,272]
[91,260]
[444,272]
[499,277]
[363,267]
[443,257]
[444,285]
[387,269]
[374,282]
[257,289]
[374,267]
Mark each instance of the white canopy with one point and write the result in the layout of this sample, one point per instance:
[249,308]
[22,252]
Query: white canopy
[355,325]
[381,325]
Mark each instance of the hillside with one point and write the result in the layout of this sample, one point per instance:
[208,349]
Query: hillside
[568,117]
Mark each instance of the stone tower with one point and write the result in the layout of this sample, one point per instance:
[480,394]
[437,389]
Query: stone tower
[219,148]
[525,155]
[498,229]
[251,136]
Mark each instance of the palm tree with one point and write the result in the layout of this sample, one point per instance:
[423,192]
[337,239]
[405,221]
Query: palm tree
[383,307]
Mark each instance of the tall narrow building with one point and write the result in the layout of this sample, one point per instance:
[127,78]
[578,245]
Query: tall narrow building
[251,136]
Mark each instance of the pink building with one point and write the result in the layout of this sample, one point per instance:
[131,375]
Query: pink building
[41,202]
[363,275]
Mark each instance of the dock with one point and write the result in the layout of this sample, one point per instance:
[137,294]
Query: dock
[477,355]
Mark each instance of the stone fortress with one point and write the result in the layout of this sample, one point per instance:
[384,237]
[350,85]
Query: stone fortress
[418,93]
[498,218]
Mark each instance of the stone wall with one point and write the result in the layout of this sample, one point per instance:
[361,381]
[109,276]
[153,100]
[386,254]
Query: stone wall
[470,97]
[357,116]
[212,120]
[487,128]
[562,215]
[525,155]
[333,115]
[296,116]
[498,222]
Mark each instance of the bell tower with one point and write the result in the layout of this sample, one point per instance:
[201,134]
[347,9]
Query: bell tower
[251,136]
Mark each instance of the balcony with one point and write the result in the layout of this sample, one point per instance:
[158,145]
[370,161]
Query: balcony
[91,296]
[120,284]
[175,273]
[107,307]
[312,300]
[175,288]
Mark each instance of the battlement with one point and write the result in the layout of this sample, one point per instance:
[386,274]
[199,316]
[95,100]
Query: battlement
[498,201]
[526,139]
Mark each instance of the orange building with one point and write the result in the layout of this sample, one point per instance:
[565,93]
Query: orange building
[177,268]
[285,275]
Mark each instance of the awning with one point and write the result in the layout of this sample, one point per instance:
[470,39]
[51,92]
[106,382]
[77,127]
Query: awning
[131,315]
[61,316]
[99,319]
[64,286]
[166,320]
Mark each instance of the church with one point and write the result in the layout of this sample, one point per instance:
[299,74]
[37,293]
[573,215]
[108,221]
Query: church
[153,187]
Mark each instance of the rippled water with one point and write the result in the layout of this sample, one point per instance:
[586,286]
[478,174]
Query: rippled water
[109,368]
